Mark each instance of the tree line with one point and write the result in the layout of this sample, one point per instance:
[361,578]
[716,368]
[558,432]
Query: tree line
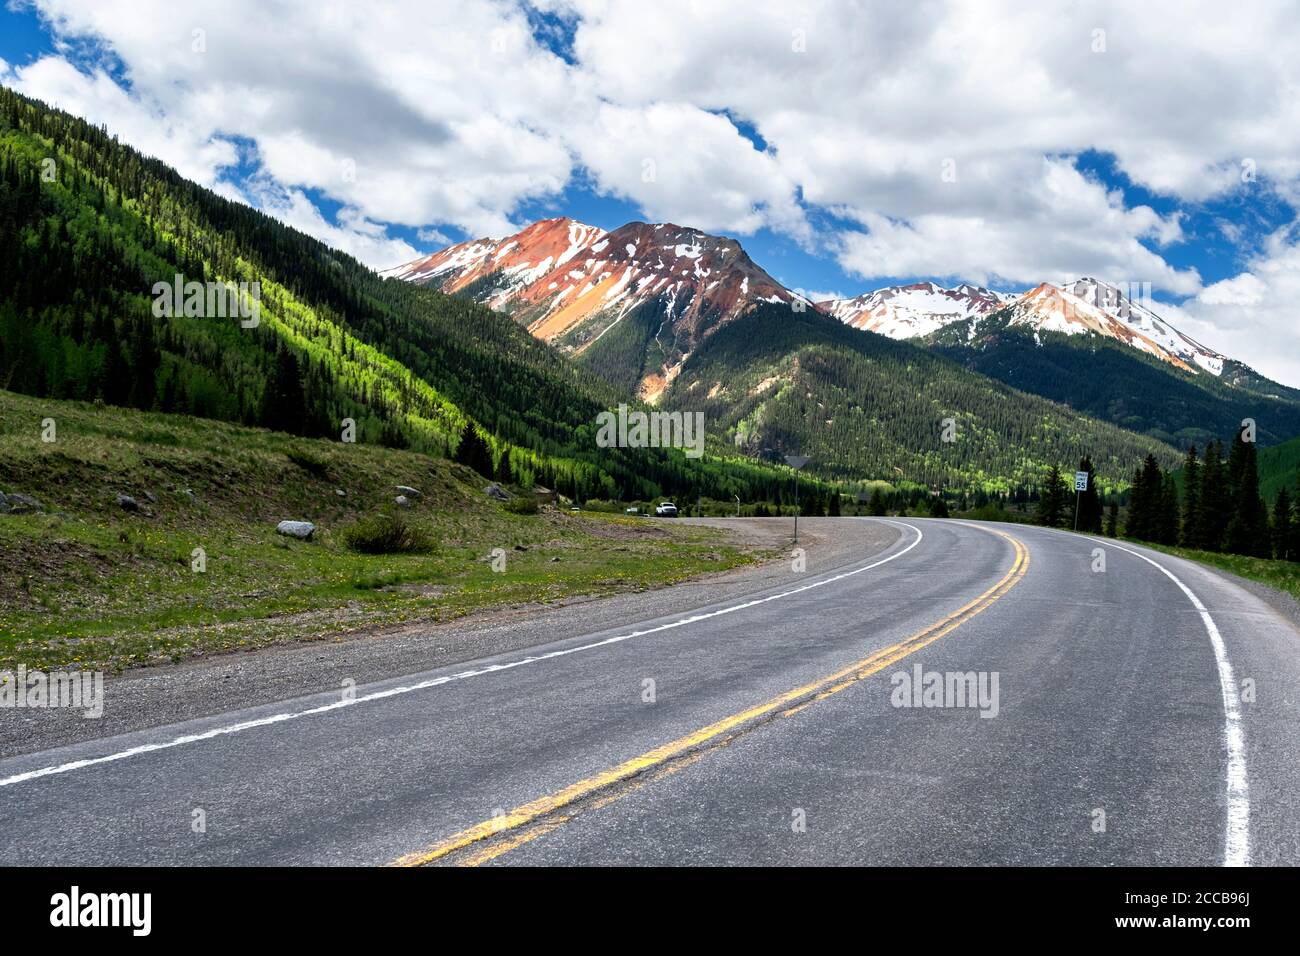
[1212,504]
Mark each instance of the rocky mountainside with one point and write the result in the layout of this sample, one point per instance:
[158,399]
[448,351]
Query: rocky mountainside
[633,303]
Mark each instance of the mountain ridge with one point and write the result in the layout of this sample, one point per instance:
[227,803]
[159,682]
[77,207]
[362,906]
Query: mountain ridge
[572,285]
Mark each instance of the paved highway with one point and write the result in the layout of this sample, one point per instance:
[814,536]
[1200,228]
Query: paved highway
[970,694]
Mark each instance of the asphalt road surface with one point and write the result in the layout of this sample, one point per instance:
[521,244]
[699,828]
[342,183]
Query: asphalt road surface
[970,694]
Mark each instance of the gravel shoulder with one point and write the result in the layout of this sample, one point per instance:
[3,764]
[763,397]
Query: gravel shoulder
[156,696]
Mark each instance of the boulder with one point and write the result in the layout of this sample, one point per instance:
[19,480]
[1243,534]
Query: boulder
[403,501]
[340,492]
[127,503]
[407,491]
[23,504]
[302,530]
[4,503]
[494,490]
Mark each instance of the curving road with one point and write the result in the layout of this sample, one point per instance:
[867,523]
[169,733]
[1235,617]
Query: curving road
[762,729]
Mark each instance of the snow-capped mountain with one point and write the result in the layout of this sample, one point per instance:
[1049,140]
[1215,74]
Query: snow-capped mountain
[513,263]
[1146,323]
[1051,308]
[652,292]
[908,311]
[1084,306]
[573,284]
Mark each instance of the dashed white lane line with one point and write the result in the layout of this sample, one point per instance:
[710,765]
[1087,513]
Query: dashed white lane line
[438,681]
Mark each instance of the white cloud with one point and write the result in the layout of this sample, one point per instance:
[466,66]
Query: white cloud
[196,153]
[434,237]
[453,114]
[684,165]
[355,234]
[1253,316]
[812,296]
[1092,234]
[413,113]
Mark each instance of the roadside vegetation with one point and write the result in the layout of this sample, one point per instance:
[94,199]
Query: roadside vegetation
[91,580]
[1282,575]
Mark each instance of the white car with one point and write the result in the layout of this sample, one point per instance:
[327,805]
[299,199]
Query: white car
[666,509]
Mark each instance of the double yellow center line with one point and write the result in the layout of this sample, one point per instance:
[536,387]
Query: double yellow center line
[525,823]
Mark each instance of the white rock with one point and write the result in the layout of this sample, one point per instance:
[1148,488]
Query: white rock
[302,530]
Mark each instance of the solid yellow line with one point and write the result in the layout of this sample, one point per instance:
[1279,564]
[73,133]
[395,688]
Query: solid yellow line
[817,690]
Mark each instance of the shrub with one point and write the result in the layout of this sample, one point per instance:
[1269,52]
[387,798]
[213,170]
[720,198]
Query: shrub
[386,533]
[521,505]
[308,461]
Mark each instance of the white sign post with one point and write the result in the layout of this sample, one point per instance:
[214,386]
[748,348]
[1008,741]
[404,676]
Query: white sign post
[1080,486]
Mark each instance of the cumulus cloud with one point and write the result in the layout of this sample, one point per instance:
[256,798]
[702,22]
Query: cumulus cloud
[1253,316]
[666,157]
[944,135]
[1093,234]
[354,234]
[194,151]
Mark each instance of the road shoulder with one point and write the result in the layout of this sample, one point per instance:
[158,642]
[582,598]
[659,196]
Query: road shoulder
[157,696]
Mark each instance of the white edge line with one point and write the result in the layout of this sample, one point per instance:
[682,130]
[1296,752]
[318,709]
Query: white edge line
[438,681]
[1236,838]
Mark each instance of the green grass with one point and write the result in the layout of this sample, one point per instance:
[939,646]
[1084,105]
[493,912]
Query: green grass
[89,585]
[1282,575]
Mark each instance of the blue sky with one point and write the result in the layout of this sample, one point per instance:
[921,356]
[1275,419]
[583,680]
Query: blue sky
[845,150]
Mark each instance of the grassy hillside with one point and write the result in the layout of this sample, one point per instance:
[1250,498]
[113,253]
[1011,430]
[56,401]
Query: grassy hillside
[862,405]
[86,583]
[88,226]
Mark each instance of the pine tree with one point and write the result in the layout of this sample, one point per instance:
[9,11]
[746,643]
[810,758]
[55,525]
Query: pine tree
[1192,520]
[504,475]
[1112,519]
[145,360]
[1145,502]
[1051,504]
[1167,530]
[1247,531]
[473,452]
[1135,518]
[283,407]
[1214,499]
[1283,526]
[1293,543]
[876,506]
[834,509]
